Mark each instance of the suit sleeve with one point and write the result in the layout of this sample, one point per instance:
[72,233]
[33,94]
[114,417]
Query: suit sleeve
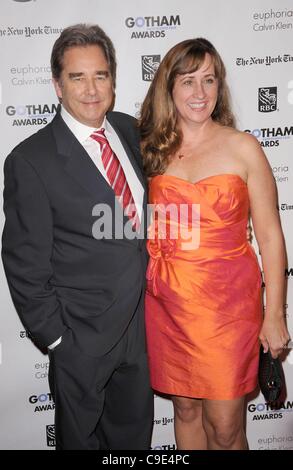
[27,245]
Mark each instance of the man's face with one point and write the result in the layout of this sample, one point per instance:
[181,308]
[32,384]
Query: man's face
[85,85]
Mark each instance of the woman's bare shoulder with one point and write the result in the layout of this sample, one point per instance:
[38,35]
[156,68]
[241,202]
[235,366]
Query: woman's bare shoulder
[239,141]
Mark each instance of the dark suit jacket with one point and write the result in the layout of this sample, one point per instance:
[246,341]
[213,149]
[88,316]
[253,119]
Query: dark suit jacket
[59,275]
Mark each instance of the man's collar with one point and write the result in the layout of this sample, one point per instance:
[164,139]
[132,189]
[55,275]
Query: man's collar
[81,131]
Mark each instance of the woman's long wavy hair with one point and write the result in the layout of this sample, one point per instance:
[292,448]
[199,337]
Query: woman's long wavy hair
[161,137]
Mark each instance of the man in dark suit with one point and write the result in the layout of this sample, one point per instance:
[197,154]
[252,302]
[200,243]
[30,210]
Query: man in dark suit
[78,293]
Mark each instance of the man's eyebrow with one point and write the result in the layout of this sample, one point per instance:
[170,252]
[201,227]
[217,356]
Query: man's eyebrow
[75,74]
[104,73]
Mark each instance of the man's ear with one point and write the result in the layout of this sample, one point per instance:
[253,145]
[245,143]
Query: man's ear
[58,88]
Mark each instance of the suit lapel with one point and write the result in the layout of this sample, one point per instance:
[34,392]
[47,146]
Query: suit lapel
[78,164]
[84,171]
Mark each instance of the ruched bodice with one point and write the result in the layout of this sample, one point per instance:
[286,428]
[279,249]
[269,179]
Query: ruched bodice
[203,303]
[223,209]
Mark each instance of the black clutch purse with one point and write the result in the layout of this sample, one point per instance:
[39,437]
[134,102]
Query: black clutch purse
[270,376]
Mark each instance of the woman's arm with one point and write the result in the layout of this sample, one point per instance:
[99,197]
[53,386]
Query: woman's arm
[267,227]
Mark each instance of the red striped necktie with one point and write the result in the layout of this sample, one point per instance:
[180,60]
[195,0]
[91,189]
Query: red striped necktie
[117,178]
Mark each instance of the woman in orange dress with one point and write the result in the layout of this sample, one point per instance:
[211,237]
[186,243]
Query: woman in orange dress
[204,315]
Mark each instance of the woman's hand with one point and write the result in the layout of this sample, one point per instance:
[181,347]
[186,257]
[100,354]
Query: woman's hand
[274,334]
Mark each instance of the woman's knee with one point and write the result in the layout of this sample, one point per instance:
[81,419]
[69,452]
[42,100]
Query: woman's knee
[187,409]
[224,432]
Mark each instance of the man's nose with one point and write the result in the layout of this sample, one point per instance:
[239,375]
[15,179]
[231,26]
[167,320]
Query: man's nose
[91,86]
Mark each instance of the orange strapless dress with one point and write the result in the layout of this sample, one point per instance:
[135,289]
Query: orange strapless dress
[203,304]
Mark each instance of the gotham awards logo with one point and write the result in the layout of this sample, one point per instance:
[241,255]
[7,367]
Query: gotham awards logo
[152,26]
[149,66]
[267,99]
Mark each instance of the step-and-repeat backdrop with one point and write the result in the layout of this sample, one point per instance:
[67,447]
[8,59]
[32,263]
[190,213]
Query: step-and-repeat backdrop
[255,39]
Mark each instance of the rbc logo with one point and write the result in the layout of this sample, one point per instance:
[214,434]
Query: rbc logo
[50,432]
[267,99]
[149,64]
